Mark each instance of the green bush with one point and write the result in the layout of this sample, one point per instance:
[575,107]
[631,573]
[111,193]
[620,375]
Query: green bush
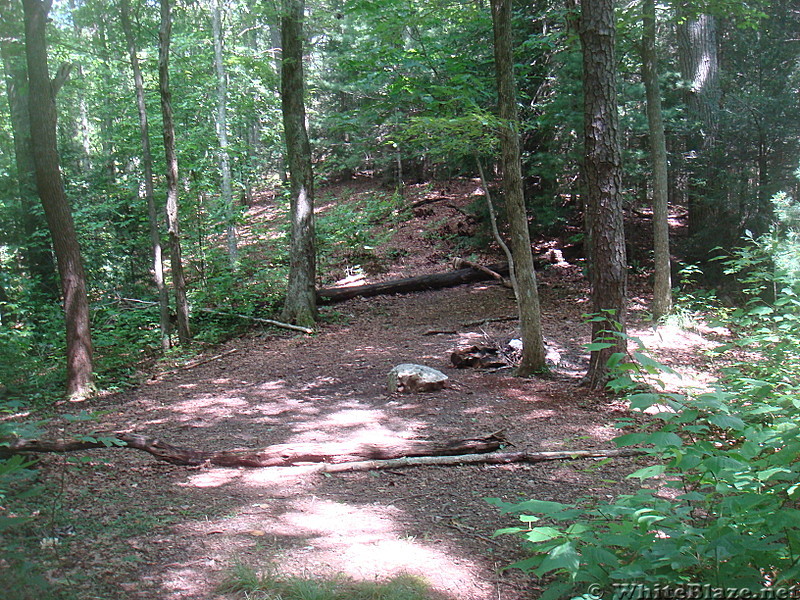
[721,502]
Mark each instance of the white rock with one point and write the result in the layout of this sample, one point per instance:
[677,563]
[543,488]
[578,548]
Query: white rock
[416,378]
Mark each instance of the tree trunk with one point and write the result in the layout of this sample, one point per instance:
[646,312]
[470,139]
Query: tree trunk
[173,228]
[147,165]
[697,45]
[524,276]
[662,284]
[301,306]
[222,133]
[36,248]
[42,107]
[603,171]
[82,127]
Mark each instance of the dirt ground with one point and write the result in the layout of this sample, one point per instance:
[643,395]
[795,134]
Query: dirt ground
[130,527]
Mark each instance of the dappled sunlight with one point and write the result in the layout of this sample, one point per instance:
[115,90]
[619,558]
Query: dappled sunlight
[366,543]
[216,477]
[352,429]
[671,337]
[685,347]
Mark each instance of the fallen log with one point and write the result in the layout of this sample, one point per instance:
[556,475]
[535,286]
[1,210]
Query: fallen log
[409,284]
[279,455]
[493,458]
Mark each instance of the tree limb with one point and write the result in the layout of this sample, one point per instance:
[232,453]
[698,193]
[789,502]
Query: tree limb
[492,458]
[328,458]
[61,77]
[460,263]
[278,455]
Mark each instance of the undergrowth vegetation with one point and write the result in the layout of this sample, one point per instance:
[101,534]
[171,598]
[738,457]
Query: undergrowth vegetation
[268,585]
[719,501]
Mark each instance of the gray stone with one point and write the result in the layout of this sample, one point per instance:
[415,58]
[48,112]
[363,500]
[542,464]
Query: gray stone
[412,378]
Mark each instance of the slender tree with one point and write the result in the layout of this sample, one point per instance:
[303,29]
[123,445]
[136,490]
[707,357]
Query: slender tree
[222,131]
[662,283]
[50,185]
[301,303]
[173,226]
[147,166]
[524,277]
[603,175]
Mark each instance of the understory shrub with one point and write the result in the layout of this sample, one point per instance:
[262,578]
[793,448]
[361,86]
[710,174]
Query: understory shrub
[719,502]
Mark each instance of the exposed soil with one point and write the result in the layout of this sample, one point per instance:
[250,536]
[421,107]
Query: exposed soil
[131,527]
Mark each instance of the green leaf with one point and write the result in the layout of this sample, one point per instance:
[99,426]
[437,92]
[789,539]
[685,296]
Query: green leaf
[665,439]
[541,534]
[652,365]
[648,472]
[727,422]
[597,346]
[643,401]
[560,558]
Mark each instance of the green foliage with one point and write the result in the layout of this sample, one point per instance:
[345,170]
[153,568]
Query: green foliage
[267,585]
[720,504]
[351,232]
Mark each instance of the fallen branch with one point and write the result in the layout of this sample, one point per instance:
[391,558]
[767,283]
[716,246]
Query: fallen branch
[306,330]
[408,284]
[431,200]
[272,322]
[460,263]
[279,455]
[197,363]
[490,320]
[471,459]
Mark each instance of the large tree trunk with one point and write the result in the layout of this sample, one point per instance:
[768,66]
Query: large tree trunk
[301,306]
[603,170]
[147,165]
[173,227]
[697,45]
[222,133]
[533,353]
[36,250]
[662,284]
[57,211]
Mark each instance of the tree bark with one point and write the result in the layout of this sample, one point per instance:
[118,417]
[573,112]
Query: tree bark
[50,186]
[300,306]
[222,134]
[662,276]
[173,226]
[147,165]
[36,247]
[524,276]
[603,170]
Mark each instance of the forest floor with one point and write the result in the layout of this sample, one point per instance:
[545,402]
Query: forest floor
[130,527]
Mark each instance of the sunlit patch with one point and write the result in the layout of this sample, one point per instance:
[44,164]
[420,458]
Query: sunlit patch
[212,478]
[211,405]
[671,337]
[365,543]
[278,384]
